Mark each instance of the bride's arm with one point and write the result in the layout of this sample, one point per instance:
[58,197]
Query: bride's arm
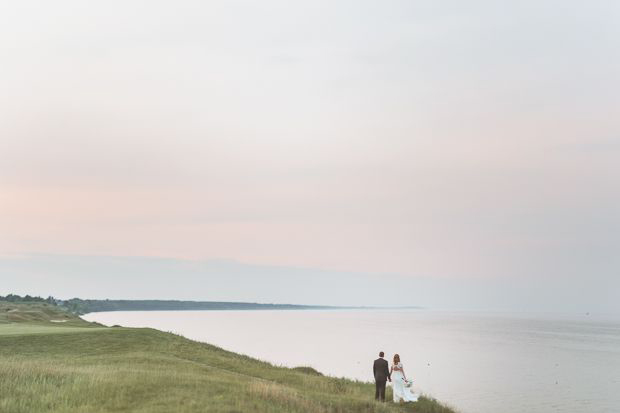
[403,371]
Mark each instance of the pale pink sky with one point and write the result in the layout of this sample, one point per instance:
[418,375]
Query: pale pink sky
[413,138]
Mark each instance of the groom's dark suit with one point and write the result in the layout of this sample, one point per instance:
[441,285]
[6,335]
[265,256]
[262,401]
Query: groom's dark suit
[382,374]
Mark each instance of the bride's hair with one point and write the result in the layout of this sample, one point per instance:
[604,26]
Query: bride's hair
[396,359]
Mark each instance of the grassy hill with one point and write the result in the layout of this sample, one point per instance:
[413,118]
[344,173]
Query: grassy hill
[37,312]
[75,366]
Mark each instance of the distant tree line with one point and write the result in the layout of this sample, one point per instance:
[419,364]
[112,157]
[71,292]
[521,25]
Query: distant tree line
[74,305]
[14,298]
[79,306]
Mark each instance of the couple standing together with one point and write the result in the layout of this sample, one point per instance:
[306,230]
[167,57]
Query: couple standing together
[401,388]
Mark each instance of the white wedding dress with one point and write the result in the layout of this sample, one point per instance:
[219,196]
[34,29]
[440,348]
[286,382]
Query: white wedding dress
[401,392]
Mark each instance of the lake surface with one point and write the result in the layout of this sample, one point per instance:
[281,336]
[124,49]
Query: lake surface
[477,363]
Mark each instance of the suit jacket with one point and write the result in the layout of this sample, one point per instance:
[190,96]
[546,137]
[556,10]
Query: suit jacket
[381,370]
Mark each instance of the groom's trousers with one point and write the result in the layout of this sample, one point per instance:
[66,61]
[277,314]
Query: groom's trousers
[380,390]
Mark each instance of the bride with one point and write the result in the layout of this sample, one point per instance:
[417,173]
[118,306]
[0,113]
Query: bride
[399,383]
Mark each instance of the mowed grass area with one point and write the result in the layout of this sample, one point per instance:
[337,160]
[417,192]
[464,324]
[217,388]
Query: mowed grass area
[54,367]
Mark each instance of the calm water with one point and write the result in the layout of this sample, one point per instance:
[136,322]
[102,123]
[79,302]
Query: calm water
[476,363]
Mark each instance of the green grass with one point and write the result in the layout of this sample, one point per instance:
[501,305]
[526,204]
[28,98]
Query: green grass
[79,367]
[38,312]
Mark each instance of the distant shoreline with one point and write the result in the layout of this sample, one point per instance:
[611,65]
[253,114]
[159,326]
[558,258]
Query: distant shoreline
[80,306]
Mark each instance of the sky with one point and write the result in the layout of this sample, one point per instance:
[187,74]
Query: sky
[440,153]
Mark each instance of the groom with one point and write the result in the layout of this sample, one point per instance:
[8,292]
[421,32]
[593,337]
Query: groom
[382,374]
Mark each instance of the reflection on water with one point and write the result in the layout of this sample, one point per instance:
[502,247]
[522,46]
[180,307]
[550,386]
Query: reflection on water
[478,363]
